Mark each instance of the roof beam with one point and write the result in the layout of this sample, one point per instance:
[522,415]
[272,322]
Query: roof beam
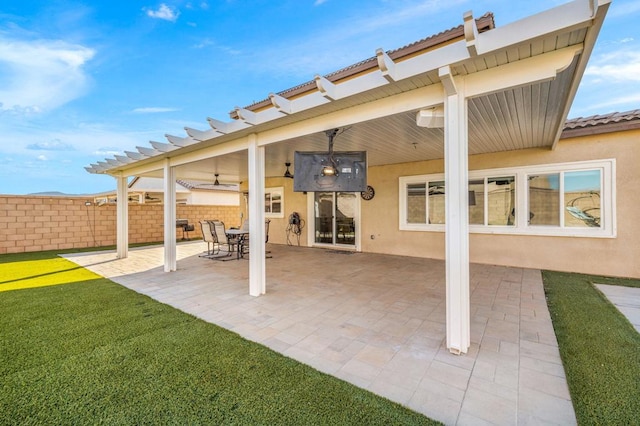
[98,167]
[281,104]
[386,65]
[326,88]
[122,159]
[135,155]
[560,19]
[201,135]
[113,162]
[247,116]
[470,33]
[527,71]
[104,166]
[149,152]
[226,127]
[218,126]
[178,141]
[163,147]
[448,83]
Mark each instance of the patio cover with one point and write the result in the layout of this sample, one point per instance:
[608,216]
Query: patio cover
[469,90]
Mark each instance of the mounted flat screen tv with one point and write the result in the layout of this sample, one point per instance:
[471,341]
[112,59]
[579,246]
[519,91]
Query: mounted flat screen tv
[315,172]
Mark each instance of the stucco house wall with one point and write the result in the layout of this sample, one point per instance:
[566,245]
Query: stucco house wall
[616,256]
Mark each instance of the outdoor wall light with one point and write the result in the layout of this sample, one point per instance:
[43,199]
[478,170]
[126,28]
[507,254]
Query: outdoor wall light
[216,181]
[287,173]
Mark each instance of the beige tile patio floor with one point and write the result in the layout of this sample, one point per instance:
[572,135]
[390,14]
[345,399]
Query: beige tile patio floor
[377,321]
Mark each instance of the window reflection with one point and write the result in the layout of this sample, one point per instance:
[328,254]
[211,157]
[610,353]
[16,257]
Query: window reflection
[582,198]
[417,203]
[476,202]
[544,200]
[501,198]
[436,202]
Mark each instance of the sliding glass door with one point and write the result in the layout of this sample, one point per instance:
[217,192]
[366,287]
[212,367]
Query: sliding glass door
[335,218]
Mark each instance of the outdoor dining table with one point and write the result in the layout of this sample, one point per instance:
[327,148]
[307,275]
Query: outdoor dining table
[240,234]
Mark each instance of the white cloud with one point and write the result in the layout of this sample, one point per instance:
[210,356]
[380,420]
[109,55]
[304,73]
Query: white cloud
[108,151]
[618,66]
[42,157]
[41,75]
[164,12]
[54,145]
[319,2]
[153,110]
[620,103]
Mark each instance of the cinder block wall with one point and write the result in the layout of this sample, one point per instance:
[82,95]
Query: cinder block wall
[35,223]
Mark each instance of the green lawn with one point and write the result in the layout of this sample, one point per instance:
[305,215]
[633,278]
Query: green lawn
[89,351]
[600,349]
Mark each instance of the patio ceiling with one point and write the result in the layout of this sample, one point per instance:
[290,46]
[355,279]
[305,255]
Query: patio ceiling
[526,115]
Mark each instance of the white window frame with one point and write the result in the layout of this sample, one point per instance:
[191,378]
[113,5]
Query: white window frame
[278,190]
[521,226]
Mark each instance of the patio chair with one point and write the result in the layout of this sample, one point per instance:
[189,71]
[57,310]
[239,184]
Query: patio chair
[220,235]
[244,242]
[209,237]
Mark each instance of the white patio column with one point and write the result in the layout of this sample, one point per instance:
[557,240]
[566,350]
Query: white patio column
[122,217]
[169,217]
[457,213]
[257,267]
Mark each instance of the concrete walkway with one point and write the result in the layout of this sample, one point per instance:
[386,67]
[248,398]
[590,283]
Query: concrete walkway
[626,299]
[377,321]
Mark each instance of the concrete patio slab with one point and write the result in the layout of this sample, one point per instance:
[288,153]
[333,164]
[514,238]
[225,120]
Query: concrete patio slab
[377,321]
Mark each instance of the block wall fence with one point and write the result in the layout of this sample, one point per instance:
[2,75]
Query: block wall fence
[36,223]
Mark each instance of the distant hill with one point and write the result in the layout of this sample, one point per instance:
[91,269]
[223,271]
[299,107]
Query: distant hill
[54,194]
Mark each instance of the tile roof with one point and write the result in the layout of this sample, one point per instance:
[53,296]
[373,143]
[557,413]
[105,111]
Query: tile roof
[605,123]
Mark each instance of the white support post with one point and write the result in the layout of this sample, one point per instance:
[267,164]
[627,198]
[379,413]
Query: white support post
[457,213]
[257,263]
[122,217]
[169,217]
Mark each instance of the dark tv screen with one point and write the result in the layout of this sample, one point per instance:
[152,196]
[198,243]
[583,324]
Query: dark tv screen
[351,167]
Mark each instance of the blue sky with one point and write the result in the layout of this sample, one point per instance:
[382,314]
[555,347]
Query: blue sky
[81,81]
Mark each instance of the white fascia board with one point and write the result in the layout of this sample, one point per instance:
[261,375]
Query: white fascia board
[600,12]
[561,19]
